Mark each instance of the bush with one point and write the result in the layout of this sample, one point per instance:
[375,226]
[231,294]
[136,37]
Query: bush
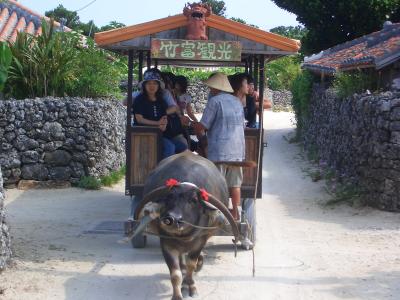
[42,65]
[96,73]
[347,84]
[5,61]
[302,91]
[282,72]
[61,64]
[89,183]
[114,177]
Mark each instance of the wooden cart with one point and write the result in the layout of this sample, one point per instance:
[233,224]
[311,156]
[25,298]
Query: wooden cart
[162,42]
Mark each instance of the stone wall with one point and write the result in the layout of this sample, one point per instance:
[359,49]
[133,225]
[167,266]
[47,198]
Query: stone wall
[60,138]
[360,138]
[199,93]
[282,100]
[5,252]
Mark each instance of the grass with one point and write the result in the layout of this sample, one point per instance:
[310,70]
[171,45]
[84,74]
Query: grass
[93,183]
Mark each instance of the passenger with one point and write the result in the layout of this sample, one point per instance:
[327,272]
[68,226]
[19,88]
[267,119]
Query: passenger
[223,119]
[169,80]
[250,110]
[183,98]
[254,93]
[150,109]
[166,95]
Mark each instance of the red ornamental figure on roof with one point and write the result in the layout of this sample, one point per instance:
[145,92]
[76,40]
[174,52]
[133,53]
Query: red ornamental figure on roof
[196,14]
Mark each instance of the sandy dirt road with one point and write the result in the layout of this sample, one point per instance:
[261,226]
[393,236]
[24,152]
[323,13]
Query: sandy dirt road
[304,250]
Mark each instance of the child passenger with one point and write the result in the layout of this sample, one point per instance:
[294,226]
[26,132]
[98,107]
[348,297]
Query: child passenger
[183,98]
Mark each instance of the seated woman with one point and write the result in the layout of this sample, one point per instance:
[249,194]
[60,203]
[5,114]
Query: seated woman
[150,109]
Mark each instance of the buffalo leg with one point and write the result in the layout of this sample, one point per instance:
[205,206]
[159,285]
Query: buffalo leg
[191,265]
[172,259]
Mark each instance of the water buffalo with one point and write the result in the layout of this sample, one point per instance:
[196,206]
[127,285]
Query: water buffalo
[184,195]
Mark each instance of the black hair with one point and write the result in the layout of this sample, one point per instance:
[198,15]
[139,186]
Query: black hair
[236,80]
[183,83]
[250,78]
[168,78]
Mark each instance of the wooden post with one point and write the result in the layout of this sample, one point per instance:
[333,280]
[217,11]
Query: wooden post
[261,125]
[261,87]
[148,60]
[129,122]
[140,71]
[256,71]
[251,66]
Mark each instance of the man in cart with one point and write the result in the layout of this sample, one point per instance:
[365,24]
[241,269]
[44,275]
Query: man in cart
[223,120]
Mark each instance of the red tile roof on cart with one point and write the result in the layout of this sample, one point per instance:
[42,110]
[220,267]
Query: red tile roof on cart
[15,18]
[376,50]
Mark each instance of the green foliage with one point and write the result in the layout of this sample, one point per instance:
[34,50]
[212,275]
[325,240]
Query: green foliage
[93,183]
[96,73]
[218,7]
[240,20]
[114,177]
[347,84]
[198,74]
[282,72]
[343,193]
[334,22]
[89,183]
[42,65]
[5,61]
[292,32]
[72,20]
[60,12]
[112,25]
[301,90]
[57,64]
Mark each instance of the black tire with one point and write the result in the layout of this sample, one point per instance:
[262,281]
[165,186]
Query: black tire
[139,241]
[249,213]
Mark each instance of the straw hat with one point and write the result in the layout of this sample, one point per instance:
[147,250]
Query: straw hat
[219,81]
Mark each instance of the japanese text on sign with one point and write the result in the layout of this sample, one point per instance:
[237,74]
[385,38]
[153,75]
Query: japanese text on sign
[196,50]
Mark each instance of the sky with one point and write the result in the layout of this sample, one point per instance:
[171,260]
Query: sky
[263,13]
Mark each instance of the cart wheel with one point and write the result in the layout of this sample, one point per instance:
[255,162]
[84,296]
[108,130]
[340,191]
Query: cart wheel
[139,241]
[249,214]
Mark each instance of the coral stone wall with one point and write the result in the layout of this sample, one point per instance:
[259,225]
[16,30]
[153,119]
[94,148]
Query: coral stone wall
[60,139]
[5,251]
[360,137]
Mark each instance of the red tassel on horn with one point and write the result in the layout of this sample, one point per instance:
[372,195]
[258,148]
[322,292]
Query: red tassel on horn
[204,194]
[170,183]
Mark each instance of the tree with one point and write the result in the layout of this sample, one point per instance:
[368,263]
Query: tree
[218,7]
[88,29]
[240,20]
[333,22]
[72,21]
[60,12]
[112,25]
[293,32]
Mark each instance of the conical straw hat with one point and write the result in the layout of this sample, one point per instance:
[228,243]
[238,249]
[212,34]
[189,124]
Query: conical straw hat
[219,81]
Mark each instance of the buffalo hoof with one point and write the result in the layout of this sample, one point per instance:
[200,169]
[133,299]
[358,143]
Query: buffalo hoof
[193,291]
[176,298]
[185,290]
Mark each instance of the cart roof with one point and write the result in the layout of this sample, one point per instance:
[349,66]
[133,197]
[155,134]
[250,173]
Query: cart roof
[253,40]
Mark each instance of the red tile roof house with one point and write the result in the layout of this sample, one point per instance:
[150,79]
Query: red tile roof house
[15,18]
[378,52]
